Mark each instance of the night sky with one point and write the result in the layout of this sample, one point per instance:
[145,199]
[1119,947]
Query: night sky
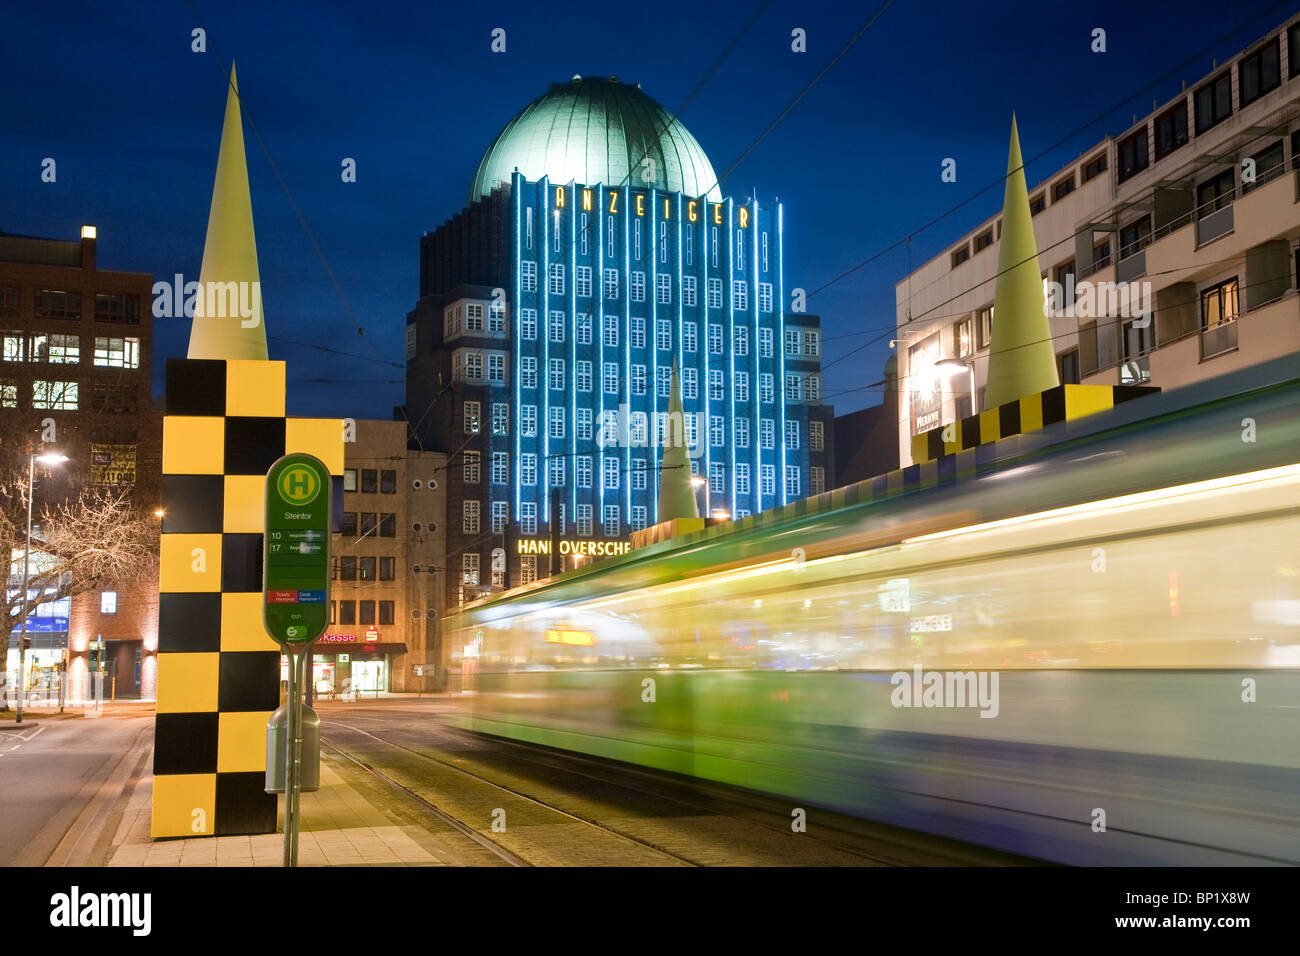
[411,91]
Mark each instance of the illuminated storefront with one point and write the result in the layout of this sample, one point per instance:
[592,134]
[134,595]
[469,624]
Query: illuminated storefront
[351,663]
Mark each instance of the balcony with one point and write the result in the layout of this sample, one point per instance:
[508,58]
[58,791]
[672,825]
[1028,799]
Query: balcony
[1219,339]
[1214,225]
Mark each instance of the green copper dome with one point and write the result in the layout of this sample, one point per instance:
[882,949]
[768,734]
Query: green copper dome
[592,131]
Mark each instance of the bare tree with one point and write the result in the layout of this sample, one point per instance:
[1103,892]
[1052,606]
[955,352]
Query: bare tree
[86,541]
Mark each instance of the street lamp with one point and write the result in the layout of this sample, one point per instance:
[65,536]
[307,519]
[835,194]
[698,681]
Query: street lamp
[45,458]
[949,368]
[699,482]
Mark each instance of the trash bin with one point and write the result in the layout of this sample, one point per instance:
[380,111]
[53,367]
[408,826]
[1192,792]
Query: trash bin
[277,737]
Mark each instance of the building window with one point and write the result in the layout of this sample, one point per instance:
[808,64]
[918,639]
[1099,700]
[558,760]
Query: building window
[739,386]
[347,612]
[582,521]
[471,466]
[528,517]
[366,569]
[638,286]
[715,384]
[638,519]
[716,483]
[690,383]
[813,388]
[611,521]
[663,335]
[1134,237]
[115,307]
[663,288]
[556,467]
[715,293]
[715,339]
[739,295]
[582,471]
[582,426]
[1101,255]
[500,467]
[496,368]
[960,255]
[349,479]
[689,337]
[742,478]
[347,568]
[528,275]
[584,328]
[610,467]
[609,378]
[794,388]
[765,343]
[528,325]
[792,434]
[111,352]
[388,481]
[500,418]
[387,525]
[816,480]
[1094,167]
[473,317]
[527,568]
[1132,154]
[740,340]
[716,431]
[1063,188]
[496,317]
[1219,310]
[688,290]
[471,417]
[1259,73]
[528,421]
[816,436]
[528,372]
[767,479]
[638,379]
[582,376]
[583,276]
[812,343]
[469,569]
[557,421]
[528,469]
[556,285]
[1037,204]
[1214,102]
[15,346]
[766,388]
[765,296]
[741,428]
[663,380]
[611,280]
[385,612]
[984,240]
[57,304]
[1269,164]
[1171,129]
[792,481]
[1215,194]
[387,567]
[963,337]
[57,349]
[500,514]
[611,331]
[61,396]
[557,326]
[8,300]
[8,394]
[557,374]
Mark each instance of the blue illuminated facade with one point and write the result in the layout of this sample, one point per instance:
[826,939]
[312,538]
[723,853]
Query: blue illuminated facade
[540,357]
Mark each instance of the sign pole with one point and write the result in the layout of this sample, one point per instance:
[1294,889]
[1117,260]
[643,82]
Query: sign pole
[295,597]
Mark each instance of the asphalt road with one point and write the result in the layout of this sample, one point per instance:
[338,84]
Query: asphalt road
[50,769]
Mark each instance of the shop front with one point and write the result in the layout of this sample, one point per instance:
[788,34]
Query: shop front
[350,665]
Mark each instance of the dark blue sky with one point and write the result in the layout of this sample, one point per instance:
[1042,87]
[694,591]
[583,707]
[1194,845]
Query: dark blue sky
[412,92]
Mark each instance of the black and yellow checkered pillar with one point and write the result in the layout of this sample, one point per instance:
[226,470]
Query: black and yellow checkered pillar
[218,671]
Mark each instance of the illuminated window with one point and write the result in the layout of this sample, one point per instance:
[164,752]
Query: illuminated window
[54,395]
[791,341]
[528,517]
[107,602]
[583,424]
[469,568]
[715,339]
[765,343]
[792,480]
[349,479]
[663,288]
[715,384]
[528,276]
[528,324]
[766,433]
[582,521]
[638,333]
[528,420]
[792,434]
[611,281]
[557,277]
[15,346]
[638,519]
[527,568]
[794,388]
[583,277]
[500,418]
[556,467]
[688,290]
[557,326]
[690,383]
[739,295]
[500,515]
[471,467]
[528,469]
[817,480]
[610,467]
[582,471]
[765,296]
[55,348]
[816,436]
[689,341]
[742,432]
[500,467]
[609,378]
[766,388]
[813,388]
[716,431]
[638,286]
[583,329]
[472,417]
[557,421]
[582,376]
[528,372]
[812,343]
[740,340]
[663,335]
[611,521]
[742,479]
[715,293]
[496,317]
[740,386]
[663,380]
[8,394]
[638,379]
[557,374]
[473,317]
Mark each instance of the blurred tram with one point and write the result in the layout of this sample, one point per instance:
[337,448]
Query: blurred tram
[1120,606]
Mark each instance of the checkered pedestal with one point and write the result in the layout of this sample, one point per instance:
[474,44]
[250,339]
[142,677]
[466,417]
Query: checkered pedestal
[218,671]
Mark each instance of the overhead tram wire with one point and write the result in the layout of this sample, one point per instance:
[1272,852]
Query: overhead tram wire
[1182,65]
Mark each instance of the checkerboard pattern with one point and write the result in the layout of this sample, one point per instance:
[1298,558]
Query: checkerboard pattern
[1065,403]
[218,671]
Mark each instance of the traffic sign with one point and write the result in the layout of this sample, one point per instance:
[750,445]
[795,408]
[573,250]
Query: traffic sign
[295,581]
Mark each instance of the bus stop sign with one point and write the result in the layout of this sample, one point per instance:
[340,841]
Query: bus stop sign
[295,566]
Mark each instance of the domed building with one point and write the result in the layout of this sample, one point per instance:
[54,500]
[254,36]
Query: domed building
[595,252]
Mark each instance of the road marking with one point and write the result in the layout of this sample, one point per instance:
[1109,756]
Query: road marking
[19,734]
